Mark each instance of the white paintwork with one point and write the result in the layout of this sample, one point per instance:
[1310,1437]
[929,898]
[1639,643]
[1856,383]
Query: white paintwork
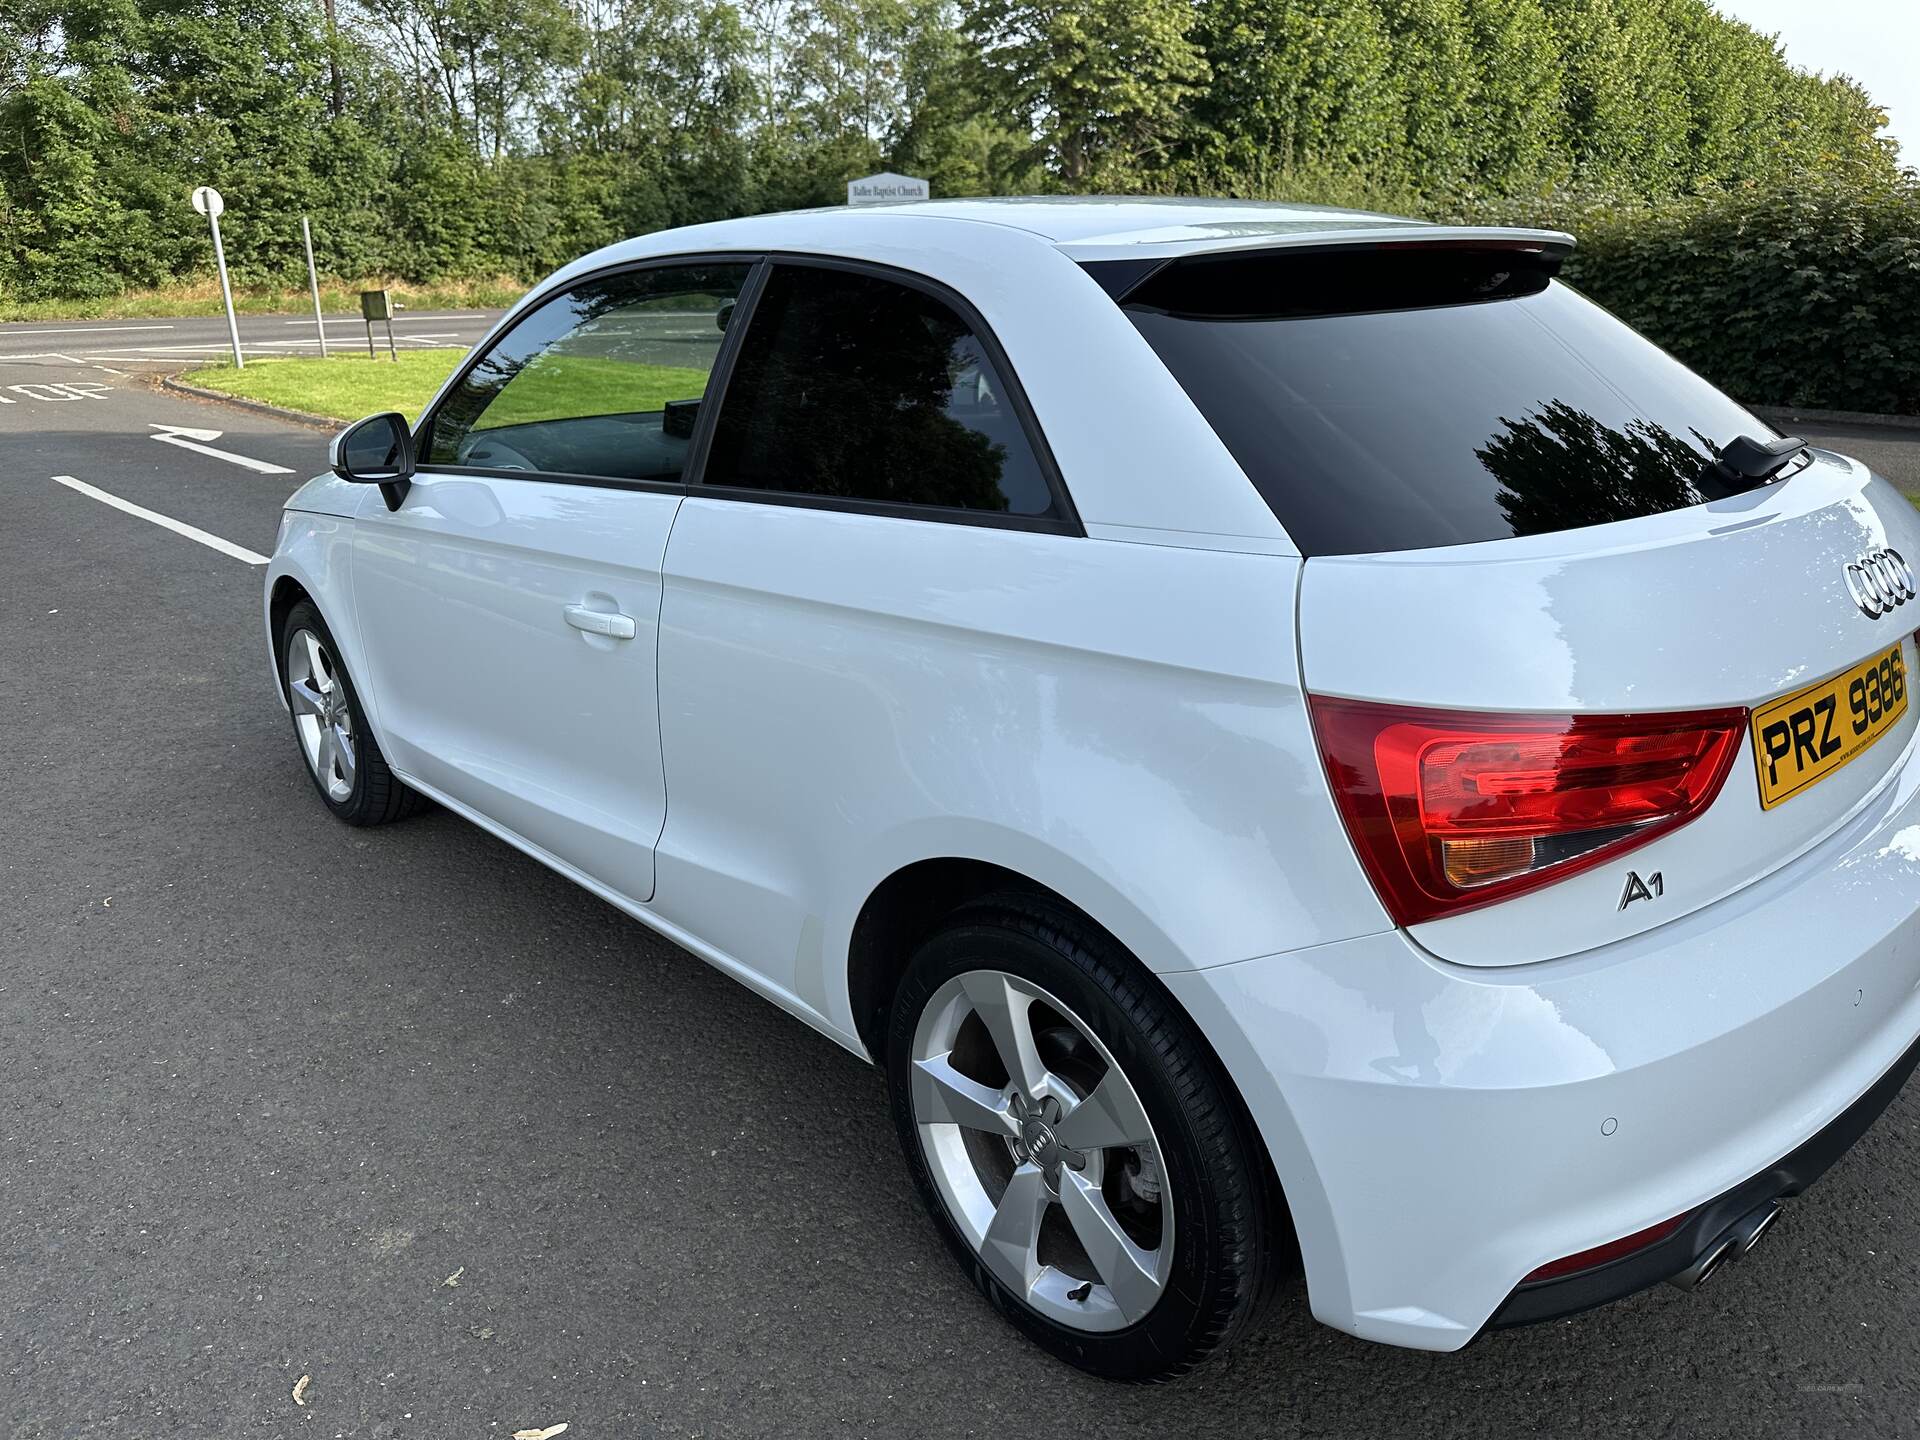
[844,695]
[1120,717]
[1439,1129]
[489,692]
[1732,603]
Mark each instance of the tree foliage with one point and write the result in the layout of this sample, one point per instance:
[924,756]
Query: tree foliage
[1803,291]
[441,138]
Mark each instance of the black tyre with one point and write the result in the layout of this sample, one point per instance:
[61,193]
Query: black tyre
[1076,1144]
[343,760]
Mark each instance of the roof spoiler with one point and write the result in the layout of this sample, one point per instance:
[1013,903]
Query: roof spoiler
[1547,250]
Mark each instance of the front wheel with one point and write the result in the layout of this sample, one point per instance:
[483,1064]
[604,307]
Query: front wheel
[343,760]
[1076,1145]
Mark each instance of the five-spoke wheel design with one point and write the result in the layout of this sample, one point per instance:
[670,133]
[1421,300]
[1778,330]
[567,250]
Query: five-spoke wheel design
[1042,1151]
[322,714]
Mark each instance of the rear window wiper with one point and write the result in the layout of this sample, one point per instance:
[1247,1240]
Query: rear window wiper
[1757,461]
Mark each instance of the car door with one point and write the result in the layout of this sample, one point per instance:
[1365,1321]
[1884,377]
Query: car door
[875,516]
[509,607]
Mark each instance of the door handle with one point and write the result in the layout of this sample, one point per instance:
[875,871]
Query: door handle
[601,622]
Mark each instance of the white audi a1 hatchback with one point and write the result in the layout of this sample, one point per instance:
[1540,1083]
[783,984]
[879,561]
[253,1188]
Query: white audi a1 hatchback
[1293,737]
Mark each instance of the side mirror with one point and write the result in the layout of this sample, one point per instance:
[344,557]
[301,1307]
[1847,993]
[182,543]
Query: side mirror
[376,451]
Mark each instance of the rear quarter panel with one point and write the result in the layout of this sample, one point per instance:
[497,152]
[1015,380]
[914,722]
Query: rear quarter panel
[843,695]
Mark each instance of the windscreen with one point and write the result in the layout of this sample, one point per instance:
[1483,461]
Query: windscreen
[1401,398]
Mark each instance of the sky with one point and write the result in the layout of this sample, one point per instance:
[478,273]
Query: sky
[1877,42]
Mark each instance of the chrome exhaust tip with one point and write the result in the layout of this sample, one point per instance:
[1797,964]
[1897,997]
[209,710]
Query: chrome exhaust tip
[1701,1270]
[1748,1230]
[1733,1243]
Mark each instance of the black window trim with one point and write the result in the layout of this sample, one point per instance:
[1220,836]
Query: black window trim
[755,263]
[1065,520]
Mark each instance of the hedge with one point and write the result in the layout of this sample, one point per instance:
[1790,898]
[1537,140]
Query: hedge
[1802,292]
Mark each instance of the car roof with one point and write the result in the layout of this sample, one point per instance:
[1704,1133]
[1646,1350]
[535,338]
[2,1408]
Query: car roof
[1105,227]
[1097,219]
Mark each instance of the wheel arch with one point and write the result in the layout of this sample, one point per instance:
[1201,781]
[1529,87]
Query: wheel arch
[285,593]
[907,907]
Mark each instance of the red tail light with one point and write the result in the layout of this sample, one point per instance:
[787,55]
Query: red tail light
[1451,810]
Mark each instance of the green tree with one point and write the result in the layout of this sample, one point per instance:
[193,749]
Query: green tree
[944,132]
[1438,90]
[1519,127]
[1626,114]
[436,138]
[1298,86]
[1100,84]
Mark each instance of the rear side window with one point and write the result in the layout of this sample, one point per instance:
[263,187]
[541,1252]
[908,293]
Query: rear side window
[1395,400]
[853,387]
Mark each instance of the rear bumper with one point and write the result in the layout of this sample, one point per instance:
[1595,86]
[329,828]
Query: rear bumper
[1787,1177]
[1443,1131]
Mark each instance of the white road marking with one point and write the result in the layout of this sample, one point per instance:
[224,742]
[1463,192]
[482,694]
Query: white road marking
[61,390]
[356,321]
[189,439]
[6,359]
[263,348]
[167,522]
[221,349]
[88,330]
[305,344]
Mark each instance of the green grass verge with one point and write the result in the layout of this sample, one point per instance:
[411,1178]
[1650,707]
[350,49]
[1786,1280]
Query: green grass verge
[343,387]
[556,386]
[337,297]
[349,386]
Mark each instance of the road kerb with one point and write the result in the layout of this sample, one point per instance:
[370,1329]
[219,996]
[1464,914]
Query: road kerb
[259,407]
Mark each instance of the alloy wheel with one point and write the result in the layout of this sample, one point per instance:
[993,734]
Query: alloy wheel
[321,714]
[1042,1151]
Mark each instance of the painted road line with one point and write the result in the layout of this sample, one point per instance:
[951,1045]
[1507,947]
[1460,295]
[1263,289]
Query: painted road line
[188,439]
[8,359]
[59,390]
[86,330]
[356,321]
[159,349]
[166,522]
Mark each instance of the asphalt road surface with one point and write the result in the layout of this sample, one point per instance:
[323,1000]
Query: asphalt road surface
[1891,451]
[403,1113]
[203,339]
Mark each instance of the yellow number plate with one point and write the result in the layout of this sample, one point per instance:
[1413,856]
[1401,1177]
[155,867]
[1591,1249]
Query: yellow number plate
[1804,737]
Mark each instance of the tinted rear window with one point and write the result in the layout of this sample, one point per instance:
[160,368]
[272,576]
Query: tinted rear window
[1395,400]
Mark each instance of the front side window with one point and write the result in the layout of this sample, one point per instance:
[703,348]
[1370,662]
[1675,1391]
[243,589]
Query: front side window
[853,387]
[605,380]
